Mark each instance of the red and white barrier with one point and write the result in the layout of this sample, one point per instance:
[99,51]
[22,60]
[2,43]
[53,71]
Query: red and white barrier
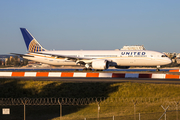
[177,70]
[89,74]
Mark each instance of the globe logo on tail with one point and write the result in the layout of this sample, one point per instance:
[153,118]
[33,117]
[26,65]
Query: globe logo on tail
[34,46]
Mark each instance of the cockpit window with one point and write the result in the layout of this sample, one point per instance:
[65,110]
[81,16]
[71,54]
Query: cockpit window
[164,56]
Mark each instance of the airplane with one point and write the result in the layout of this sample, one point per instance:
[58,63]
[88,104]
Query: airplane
[91,59]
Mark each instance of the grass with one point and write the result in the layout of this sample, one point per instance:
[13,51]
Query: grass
[158,94]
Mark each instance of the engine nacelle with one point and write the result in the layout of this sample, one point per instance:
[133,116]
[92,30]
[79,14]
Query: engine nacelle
[100,64]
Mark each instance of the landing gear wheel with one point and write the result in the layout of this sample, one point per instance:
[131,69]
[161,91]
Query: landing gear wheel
[157,69]
[87,69]
[98,70]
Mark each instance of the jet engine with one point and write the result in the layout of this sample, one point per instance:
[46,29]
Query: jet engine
[100,64]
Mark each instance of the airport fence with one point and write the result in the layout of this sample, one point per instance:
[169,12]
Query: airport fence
[101,108]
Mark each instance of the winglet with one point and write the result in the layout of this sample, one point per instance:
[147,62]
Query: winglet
[31,43]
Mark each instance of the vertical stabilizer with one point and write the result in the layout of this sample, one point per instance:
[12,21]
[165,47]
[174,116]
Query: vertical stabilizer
[31,43]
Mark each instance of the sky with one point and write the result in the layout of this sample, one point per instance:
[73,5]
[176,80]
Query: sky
[91,24]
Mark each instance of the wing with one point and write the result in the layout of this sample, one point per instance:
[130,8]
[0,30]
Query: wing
[78,60]
[66,57]
[21,55]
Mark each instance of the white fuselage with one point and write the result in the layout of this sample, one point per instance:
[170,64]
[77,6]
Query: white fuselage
[120,57]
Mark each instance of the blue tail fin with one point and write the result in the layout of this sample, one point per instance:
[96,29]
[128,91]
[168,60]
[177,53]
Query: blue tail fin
[31,43]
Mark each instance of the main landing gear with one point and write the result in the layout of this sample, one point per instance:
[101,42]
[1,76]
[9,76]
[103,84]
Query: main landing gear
[158,68]
[87,68]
